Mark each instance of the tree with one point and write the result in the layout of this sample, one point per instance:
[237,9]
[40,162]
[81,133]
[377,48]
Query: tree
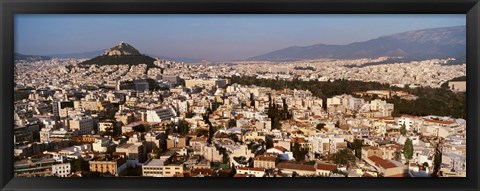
[437,160]
[320,126]
[403,129]
[398,155]
[276,123]
[408,149]
[299,152]
[285,114]
[343,157]
[183,127]
[425,165]
[357,147]
[210,129]
[78,165]
[232,123]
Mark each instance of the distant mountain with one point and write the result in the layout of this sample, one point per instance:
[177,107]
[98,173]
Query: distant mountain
[122,54]
[18,56]
[78,55]
[448,42]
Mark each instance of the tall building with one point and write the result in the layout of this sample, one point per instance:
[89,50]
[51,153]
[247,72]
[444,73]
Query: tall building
[84,125]
[60,108]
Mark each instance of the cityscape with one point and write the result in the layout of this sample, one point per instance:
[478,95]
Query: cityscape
[390,106]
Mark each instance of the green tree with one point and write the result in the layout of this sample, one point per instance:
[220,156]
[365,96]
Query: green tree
[357,147]
[183,127]
[403,129]
[299,152]
[437,160]
[78,165]
[408,149]
[425,165]
[320,126]
[343,157]
[232,123]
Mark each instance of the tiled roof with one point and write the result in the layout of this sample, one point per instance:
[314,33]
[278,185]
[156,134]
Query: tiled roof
[295,166]
[438,121]
[265,158]
[252,169]
[325,166]
[382,163]
[280,148]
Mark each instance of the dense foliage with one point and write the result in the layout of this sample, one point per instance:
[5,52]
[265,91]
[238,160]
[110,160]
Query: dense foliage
[431,101]
[121,60]
[357,147]
[343,157]
[299,152]
[277,114]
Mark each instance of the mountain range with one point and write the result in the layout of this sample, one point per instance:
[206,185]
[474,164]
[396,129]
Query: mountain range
[18,56]
[447,42]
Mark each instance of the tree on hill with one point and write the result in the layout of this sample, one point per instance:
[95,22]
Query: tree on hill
[130,60]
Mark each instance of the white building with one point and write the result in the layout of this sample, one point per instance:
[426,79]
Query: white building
[381,108]
[158,115]
[61,170]
[84,125]
[158,168]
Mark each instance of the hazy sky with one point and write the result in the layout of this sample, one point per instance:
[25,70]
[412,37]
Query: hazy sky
[214,37]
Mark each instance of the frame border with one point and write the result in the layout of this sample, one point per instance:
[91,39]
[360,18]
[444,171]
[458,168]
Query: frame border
[8,8]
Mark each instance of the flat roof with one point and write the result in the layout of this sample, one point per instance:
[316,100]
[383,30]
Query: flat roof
[155,162]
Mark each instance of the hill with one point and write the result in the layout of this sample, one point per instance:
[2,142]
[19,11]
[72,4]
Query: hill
[122,54]
[447,42]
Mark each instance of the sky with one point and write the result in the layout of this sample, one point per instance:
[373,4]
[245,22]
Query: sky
[212,37]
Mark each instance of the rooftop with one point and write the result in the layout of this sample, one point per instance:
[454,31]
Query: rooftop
[382,163]
[296,166]
[155,162]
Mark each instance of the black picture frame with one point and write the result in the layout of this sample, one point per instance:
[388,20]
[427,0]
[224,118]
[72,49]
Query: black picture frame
[9,8]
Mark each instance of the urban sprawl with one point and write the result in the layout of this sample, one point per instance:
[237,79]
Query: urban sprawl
[202,120]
